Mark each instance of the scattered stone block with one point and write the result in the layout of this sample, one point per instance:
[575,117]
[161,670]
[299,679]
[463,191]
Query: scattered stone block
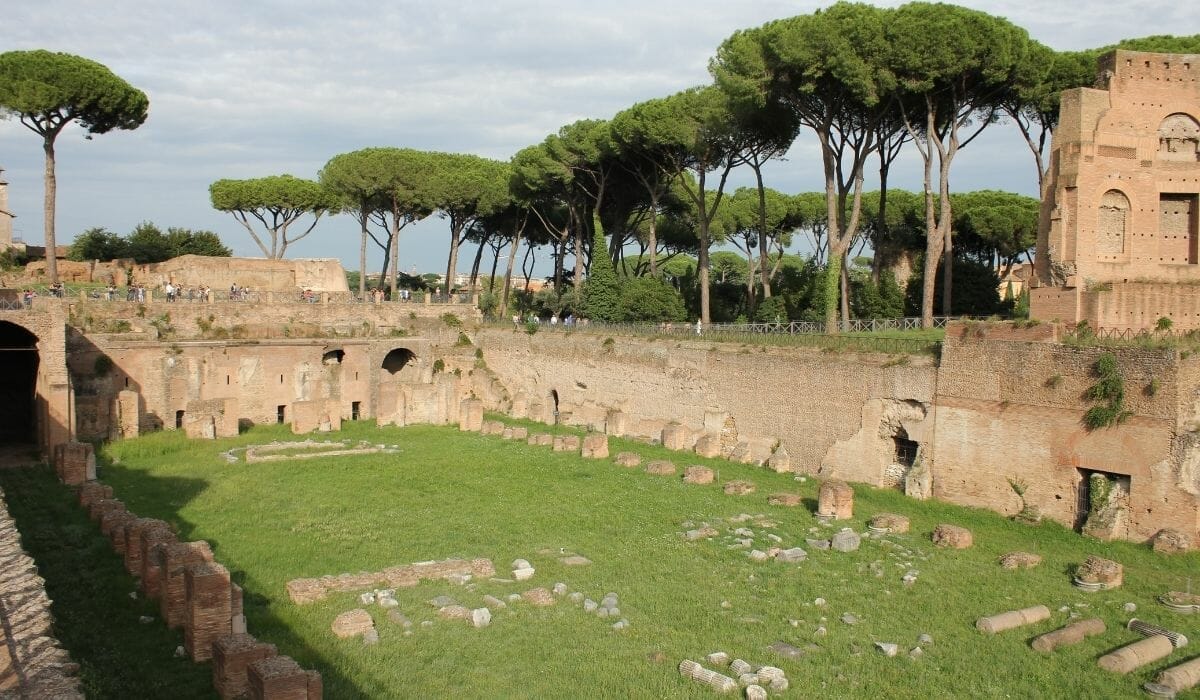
[574,560]
[352,623]
[780,461]
[816,543]
[1019,560]
[539,597]
[758,555]
[756,692]
[523,574]
[661,467]
[887,648]
[717,658]
[790,500]
[739,488]
[791,556]
[454,612]
[566,443]
[1012,619]
[628,459]
[1169,541]
[507,434]
[494,602]
[952,536]
[709,446]
[835,500]
[890,522]
[1133,656]
[740,667]
[492,427]
[520,433]
[470,415]
[846,540]
[595,446]
[1071,634]
[700,533]
[1105,573]
[542,439]
[481,617]
[786,650]
[698,475]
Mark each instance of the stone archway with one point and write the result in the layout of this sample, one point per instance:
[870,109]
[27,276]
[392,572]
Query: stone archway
[397,360]
[18,384]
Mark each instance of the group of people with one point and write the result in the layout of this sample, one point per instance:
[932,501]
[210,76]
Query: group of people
[568,321]
[177,293]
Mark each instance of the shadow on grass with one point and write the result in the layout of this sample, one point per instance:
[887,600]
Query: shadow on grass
[95,617]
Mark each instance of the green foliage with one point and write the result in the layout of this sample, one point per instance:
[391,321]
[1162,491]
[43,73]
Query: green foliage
[451,320]
[146,244]
[531,327]
[439,366]
[1099,491]
[1163,324]
[976,290]
[649,299]
[11,259]
[162,323]
[1109,391]
[608,344]
[464,341]
[1054,381]
[771,310]
[602,291]
[276,202]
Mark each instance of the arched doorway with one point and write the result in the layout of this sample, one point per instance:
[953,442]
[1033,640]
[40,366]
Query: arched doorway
[397,360]
[18,384]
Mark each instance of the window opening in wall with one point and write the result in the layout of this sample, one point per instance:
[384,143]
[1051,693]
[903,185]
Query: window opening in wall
[281,414]
[1102,505]
[905,449]
[179,419]
[355,409]
[333,357]
[1177,222]
[126,382]
[281,379]
[397,360]
[227,379]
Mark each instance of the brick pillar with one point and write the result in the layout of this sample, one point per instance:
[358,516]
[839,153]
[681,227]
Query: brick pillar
[176,557]
[117,524]
[133,542]
[93,491]
[77,463]
[100,508]
[232,655]
[153,540]
[281,678]
[208,607]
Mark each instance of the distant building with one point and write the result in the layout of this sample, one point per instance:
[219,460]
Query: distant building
[6,216]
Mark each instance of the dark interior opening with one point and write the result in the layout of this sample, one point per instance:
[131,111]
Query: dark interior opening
[281,414]
[333,357]
[906,450]
[178,419]
[18,384]
[398,359]
[355,410]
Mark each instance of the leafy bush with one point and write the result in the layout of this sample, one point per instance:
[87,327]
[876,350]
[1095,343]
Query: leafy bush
[451,320]
[650,299]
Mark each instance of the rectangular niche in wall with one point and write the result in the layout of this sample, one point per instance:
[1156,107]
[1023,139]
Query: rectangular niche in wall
[1177,228]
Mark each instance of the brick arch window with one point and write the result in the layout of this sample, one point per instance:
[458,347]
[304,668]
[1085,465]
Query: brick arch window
[1112,225]
[1179,138]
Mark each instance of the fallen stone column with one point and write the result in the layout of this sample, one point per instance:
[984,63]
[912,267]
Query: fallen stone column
[1180,677]
[1133,656]
[208,609]
[1146,629]
[176,557]
[716,681]
[1071,634]
[232,657]
[281,677]
[1012,619]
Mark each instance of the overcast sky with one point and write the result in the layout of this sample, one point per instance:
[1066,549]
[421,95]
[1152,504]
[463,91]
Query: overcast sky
[245,89]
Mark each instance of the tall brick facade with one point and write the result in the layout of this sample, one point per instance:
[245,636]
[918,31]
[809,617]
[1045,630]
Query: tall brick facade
[1121,203]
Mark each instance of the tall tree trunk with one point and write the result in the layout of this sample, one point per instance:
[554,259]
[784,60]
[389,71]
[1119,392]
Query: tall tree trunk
[765,273]
[495,264]
[475,266]
[48,209]
[844,276]
[933,239]
[945,227]
[512,257]
[452,263]
[652,243]
[560,255]
[579,252]
[362,258]
[394,244]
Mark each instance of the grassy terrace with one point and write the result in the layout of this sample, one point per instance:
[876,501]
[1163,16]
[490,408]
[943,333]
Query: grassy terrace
[450,494]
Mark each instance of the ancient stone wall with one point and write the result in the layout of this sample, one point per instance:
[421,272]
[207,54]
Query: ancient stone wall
[257,274]
[1014,410]
[805,400]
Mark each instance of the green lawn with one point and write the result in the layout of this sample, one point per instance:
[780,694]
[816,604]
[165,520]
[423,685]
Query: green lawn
[449,494]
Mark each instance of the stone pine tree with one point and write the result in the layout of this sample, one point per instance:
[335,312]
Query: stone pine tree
[47,91]
[602,292]
[276,202]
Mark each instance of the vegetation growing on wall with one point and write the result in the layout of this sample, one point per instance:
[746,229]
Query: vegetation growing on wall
[1109,391]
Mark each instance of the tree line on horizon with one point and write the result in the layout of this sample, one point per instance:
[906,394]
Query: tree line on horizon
[622,195]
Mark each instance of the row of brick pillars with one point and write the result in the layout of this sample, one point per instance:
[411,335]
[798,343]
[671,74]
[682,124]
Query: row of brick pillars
[193,591]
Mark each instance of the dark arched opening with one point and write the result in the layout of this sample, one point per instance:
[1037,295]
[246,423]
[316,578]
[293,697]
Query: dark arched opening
[18,383]
[333,357]
[398,359]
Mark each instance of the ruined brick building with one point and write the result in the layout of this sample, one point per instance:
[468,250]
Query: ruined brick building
[1000,404]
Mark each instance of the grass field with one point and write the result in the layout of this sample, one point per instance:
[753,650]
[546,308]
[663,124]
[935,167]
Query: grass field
[450,494]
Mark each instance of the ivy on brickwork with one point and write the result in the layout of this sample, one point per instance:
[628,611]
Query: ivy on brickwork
[1109,392]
